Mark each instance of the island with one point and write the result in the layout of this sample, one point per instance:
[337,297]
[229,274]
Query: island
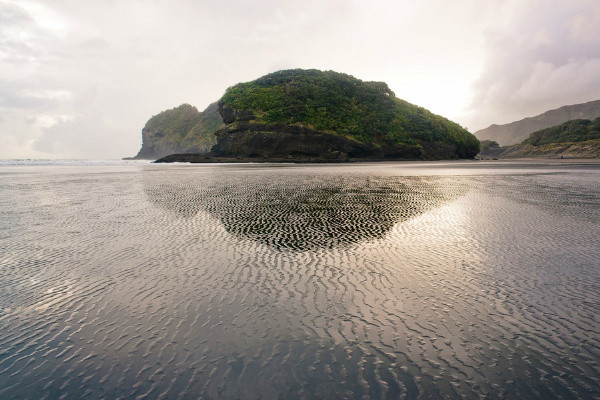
[320,116]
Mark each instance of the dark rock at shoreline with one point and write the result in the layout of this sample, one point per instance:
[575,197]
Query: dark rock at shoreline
[205,158]
[248,142]
[255,140]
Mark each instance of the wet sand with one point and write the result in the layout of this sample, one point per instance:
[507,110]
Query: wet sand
[385,280]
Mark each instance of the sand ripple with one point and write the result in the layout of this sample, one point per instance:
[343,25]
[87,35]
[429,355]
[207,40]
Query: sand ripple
[250,282]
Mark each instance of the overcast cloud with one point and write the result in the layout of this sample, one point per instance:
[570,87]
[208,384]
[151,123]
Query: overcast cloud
[542,56]
[80,78]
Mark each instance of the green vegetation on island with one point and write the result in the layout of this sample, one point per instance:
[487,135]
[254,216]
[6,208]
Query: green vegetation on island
[181,129]
[339,104]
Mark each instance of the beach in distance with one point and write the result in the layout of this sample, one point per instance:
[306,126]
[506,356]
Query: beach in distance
[416,280]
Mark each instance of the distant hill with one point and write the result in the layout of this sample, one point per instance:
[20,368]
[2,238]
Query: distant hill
[579,138]
[181,129]
[578,130]
[516,132]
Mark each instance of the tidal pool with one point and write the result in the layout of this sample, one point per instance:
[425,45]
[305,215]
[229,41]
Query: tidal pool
[384,280]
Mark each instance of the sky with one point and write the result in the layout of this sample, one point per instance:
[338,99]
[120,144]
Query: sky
[80,78]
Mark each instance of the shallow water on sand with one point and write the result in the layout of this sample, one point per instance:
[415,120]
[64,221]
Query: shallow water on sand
[399,280]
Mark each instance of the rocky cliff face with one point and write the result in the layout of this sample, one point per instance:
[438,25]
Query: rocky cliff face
[182,129]
[246,138]
[516,132]
[258,141]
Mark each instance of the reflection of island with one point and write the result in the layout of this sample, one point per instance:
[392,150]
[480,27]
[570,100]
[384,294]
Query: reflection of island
[298,211]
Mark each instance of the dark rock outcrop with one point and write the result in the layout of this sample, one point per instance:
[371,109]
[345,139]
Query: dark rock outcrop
[230,115]
[255,140]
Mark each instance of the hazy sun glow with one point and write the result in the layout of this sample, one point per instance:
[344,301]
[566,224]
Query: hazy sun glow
[112,66]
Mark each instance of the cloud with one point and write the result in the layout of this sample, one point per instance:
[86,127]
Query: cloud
[90,132]
[551,81]
[99,70]
[86,136]
[56,86]
[538,58]
[75,74]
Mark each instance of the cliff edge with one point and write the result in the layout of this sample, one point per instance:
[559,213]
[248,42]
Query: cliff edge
[181,129]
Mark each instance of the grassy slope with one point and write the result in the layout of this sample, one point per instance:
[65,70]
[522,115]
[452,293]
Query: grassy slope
[181,129]
[579,138]
[578,130]
[201,136]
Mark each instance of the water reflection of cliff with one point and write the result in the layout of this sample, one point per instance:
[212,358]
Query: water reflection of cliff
[289,210]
